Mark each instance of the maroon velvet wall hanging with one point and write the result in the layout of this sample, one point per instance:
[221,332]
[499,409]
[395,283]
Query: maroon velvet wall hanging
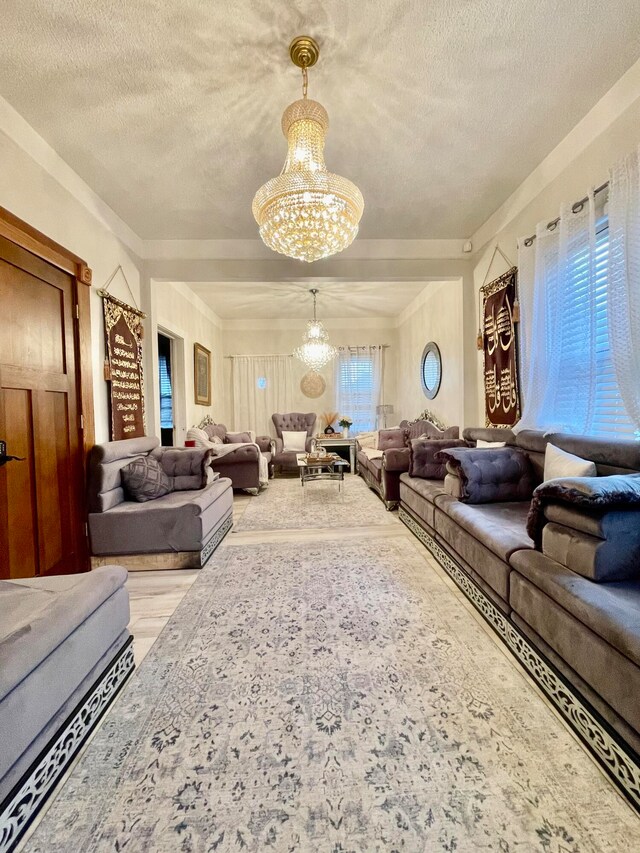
[499,343]
[123,368]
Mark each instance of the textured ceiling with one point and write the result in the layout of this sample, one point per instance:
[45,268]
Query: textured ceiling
[289,300]
[171,110]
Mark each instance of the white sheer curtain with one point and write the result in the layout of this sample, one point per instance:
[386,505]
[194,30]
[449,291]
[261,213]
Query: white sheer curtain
[557,283]
[359,373]
[262,385]
[624,281]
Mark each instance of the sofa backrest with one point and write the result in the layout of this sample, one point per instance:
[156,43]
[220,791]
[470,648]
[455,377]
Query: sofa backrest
[106,461]
[612,456]
[418,428]
[294,422]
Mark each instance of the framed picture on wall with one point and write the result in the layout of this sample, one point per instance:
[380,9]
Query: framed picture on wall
[202,375]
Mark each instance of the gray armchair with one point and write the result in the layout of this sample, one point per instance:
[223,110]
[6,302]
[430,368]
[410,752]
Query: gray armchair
[285,460]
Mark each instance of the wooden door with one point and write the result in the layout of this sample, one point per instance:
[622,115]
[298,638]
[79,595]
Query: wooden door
[42,497]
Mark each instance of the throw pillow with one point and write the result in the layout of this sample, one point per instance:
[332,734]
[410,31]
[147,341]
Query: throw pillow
[490,476]
[216,429]
[294,441]
[422,453]
[559,463]
[144,480]
[238,438]
[388,438]
[488,445]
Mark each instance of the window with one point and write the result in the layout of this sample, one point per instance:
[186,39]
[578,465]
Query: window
[608,415]
[356,387]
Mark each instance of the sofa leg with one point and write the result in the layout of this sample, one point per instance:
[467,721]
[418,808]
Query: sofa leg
[391,505]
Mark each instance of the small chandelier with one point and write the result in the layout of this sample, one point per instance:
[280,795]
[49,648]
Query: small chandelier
[307,212]
[315,350]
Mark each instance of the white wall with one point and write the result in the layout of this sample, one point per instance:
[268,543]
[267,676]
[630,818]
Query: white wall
[177,310]
[435,315]
[278,337]
[30,192]
[614,128]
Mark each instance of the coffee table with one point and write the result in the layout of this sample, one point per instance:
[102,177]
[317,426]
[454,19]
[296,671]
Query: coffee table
[331,468]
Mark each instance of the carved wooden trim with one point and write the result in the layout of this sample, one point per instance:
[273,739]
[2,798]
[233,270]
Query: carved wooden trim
[34,241]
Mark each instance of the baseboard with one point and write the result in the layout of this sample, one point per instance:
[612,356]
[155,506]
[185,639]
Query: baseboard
[619,761]
[27,798]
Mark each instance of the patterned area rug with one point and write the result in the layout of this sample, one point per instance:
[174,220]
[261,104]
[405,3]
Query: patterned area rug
[331,698]
[286,505]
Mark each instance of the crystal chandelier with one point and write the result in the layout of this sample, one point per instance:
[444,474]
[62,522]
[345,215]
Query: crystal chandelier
[307,212]
[315,350]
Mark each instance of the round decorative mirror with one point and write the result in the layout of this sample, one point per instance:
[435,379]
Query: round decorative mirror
[431,370]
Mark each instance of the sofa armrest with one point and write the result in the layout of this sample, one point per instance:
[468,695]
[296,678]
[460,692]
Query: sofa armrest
[588,495]
[308,445]
[396,459]
[279,445]
[265,443]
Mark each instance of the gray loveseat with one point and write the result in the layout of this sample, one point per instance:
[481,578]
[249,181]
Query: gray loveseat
[381,469]
[64,653]
[240,465]
[185,526]
[550,600]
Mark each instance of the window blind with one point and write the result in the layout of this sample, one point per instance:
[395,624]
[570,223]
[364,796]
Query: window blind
[166,400]
[583,360]
[357,386]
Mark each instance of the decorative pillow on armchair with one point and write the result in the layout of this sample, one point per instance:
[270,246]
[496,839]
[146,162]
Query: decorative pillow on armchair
[490,476]
[422,461]
[294,441]
[145,480]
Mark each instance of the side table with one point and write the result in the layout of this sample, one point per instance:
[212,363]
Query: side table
[334,443]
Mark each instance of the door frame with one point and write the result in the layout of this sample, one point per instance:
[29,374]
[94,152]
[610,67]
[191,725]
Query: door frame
[29,238]
[178,379]
[34,241]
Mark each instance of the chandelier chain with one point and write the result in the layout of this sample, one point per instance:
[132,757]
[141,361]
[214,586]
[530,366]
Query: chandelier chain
[305,81]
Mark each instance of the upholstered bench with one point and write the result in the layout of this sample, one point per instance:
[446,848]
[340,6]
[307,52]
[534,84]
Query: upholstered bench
[65,651]
[177,530]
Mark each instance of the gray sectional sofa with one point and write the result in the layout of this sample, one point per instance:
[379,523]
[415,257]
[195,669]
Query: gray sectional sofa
[187,524]
[65,652]
[574,628]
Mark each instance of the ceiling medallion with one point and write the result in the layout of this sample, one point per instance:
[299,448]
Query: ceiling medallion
[307,212]
[315,350]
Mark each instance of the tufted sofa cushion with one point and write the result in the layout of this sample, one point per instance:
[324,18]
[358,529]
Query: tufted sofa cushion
[423,451]
[490,476]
